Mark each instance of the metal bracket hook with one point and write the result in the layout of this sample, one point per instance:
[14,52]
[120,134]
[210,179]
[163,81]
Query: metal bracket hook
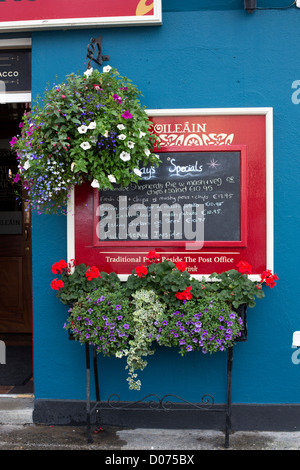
[91,49]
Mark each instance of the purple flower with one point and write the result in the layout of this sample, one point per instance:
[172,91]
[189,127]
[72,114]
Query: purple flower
[126,115]
[118,99]
[118,307]
[126,326]
[14,141]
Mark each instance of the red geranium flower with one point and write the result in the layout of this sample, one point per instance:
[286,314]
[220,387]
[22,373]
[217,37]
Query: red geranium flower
[141,271]
[181,265]
[185,295]
[269,278]
[58,267]
[92,273]
[56,284]
[244,267]
[153,257]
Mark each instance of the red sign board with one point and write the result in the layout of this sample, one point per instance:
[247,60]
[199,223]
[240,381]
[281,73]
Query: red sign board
[38,13]
[208,203]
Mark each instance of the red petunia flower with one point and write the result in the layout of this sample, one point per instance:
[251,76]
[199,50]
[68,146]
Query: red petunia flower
[141,271]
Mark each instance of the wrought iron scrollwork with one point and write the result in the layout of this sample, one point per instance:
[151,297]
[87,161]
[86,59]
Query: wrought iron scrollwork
[96,42]
[166,403]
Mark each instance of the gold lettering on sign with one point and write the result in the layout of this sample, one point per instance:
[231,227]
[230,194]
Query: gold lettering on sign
[142,8]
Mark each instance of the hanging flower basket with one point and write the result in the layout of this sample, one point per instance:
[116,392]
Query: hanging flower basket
[91,127]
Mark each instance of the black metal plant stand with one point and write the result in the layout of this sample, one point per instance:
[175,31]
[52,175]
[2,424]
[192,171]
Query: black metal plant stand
[156,403]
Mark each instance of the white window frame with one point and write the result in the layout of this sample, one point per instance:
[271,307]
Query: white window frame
[13,97]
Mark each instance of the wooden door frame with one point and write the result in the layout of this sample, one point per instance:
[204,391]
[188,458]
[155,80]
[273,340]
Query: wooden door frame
[13,97]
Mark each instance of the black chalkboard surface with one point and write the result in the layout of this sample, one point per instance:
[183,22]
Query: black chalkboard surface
[171,201]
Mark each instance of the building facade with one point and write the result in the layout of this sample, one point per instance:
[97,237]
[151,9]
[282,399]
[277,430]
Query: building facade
[202,57]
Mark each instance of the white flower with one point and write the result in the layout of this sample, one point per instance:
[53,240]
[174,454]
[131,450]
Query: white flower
[82,129]
[93,139]
[95,184]
[85,145]
[147,152]
[137,172]
[120,127]
[125,156]
[26,165]
[142,134]
[130,144]
[122,136]
[106,68]
[88,72]
[92,125]
[111,178]
[72,166]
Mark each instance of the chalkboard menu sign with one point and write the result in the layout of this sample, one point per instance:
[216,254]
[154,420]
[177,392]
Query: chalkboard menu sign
[192,196]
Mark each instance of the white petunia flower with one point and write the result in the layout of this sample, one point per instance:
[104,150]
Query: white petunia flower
[95,184]
[122,137]
[142,134]
[26,165]
[82,129]
[92,125]
[130,144]
[85,145]
[106,68]
[147,152]
[88,72]
[72,166]
[121,127]
[125,156]
[111,178]
[137,172]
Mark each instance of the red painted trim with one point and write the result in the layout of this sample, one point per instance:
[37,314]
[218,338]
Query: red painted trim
[39,10]
[249,136]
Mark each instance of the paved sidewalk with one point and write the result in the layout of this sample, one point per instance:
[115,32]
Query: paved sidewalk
[40,437]
[17,432]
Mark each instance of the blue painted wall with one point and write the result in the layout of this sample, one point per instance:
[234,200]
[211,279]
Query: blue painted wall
[204,58]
